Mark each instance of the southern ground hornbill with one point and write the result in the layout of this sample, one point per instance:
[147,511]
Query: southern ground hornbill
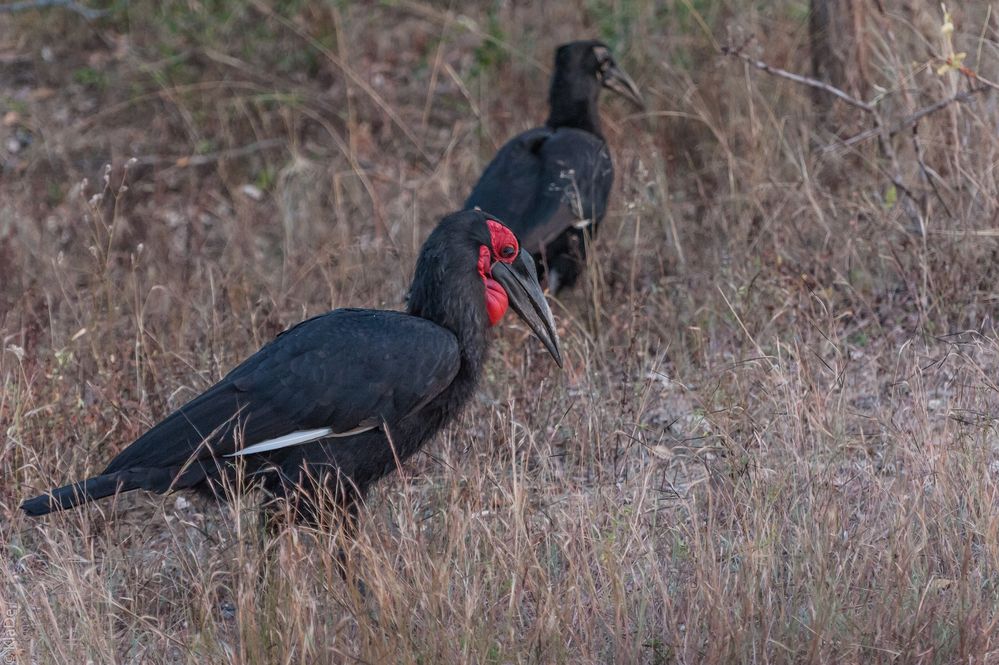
[550,184]
[336,402]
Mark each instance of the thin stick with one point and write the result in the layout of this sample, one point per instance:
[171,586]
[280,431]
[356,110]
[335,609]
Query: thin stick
[432,85]
[798,78]
[86,12]
[745,330]
[883,133]
[211,157]
[959,98]
[929,174]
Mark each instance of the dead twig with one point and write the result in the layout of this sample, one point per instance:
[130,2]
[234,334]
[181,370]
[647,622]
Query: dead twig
[909,120]
[798,78]
[879,130]
[906,122]
[929,175]
[88,13]
[188,161]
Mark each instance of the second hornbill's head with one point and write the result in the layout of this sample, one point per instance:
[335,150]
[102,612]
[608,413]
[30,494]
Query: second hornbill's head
[582,69]
[470,271]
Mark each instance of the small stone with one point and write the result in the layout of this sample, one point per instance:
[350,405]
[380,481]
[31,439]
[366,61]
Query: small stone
[253,192]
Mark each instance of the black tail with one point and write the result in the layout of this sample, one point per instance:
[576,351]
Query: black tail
[98,487]
[70,496]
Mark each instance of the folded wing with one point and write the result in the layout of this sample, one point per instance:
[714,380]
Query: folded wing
[332,375]
[545,182]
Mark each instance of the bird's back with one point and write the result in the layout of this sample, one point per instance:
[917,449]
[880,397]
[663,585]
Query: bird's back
[546,183]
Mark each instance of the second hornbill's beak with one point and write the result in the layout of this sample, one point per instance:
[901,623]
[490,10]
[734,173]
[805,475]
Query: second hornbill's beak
[615,79]
[520,281]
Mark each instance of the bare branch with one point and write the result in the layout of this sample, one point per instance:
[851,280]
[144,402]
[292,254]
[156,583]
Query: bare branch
[211,157]
[880,130]
[798,78]
[929,174]
[27,5]
[909,120]
[908,201]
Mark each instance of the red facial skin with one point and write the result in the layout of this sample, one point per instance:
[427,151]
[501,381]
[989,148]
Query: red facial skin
[503,241]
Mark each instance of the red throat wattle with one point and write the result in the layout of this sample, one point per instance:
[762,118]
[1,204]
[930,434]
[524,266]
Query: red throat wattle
[496,298]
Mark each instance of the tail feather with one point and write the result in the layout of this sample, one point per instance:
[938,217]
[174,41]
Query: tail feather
[98,487]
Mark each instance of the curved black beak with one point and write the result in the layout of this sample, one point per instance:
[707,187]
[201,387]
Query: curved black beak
[520,281]
[616,80]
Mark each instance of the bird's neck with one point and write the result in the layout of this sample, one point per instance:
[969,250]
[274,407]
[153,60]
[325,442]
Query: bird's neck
[458,306]
[573,103]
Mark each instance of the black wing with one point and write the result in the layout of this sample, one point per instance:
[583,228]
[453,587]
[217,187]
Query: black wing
[343,370]
[546,181]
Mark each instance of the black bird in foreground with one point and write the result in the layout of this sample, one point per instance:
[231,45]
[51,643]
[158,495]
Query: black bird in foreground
[339,400]
[550,184]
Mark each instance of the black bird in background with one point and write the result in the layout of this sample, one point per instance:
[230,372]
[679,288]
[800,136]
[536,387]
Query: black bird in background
[550,184]
[337,401]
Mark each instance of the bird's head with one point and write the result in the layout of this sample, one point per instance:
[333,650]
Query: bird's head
[472,253]
[591,60]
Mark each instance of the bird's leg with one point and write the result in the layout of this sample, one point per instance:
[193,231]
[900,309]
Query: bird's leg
[554,281]
[347,535]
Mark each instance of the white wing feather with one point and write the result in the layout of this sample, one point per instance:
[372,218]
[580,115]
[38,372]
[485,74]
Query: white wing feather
[296,439]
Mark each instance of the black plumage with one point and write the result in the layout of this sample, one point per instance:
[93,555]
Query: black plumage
[309,412]
[551,184]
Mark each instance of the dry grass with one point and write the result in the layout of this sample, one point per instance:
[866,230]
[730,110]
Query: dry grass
[774,439]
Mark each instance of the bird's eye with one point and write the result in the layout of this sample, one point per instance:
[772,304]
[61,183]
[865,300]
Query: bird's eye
[508,251]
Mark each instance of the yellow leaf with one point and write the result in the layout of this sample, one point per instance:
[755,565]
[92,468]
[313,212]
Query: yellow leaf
[891,196]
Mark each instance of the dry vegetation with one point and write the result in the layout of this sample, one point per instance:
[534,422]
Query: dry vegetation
[775,438]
